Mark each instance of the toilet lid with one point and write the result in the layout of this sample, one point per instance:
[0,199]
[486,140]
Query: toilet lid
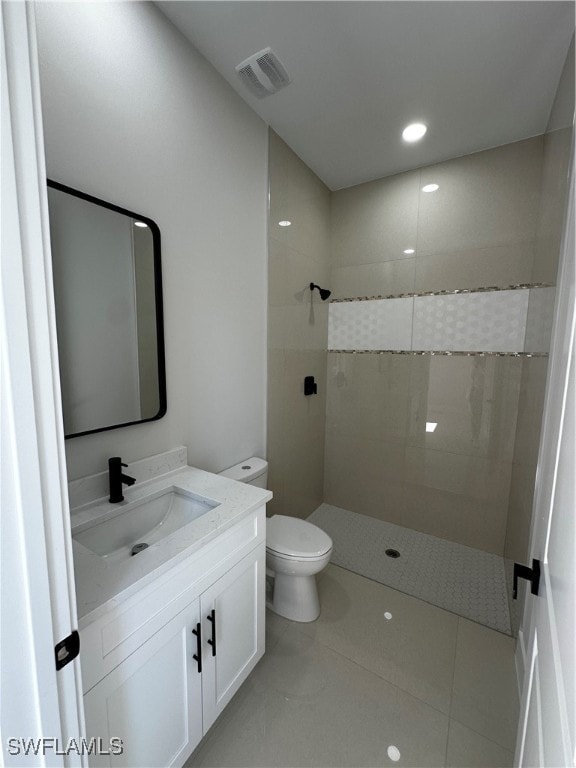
[292,537]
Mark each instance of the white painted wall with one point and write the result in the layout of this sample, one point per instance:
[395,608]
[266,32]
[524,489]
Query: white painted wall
[135,116]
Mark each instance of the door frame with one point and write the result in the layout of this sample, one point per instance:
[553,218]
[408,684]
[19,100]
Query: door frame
[37,591]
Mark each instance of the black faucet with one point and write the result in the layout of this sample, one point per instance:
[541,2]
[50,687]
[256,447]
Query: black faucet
[117,478]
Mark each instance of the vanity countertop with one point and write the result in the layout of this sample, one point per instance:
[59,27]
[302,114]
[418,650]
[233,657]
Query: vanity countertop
[102,584]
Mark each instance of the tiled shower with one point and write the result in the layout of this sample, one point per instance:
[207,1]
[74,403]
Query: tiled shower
[431,356]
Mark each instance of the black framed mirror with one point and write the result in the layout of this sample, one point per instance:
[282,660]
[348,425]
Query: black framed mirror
[108,294]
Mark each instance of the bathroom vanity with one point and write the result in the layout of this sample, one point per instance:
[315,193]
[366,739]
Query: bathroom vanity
[168,635]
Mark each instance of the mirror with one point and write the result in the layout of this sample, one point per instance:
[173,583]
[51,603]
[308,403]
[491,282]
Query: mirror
[108,296]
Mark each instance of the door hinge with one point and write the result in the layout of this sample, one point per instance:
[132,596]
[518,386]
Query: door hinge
[530,574]
[67,650]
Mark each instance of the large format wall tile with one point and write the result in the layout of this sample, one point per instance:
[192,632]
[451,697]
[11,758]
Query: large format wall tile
[376,221]
[297,332]
[485,199]
[500,265]
[380,279]
[470,403]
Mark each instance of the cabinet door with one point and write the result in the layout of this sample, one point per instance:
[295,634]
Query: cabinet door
[152,701]
[237,600]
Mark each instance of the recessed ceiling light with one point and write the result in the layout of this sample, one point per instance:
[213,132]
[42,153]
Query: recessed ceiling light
[431,426]
[408,250]
[414,132]
[430,188]
[284,223]
[140,224]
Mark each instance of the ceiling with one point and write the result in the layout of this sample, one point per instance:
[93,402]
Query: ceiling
[479,74]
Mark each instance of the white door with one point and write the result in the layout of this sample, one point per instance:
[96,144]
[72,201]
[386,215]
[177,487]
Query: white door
[232,614]
[548,717]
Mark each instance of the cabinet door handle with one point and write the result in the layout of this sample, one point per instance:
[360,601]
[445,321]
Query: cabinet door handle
[198,655]
[212,618]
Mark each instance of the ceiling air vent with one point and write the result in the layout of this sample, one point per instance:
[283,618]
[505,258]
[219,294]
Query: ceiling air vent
[263,73]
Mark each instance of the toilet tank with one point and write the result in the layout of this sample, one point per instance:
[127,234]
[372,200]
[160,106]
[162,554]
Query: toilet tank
[253,471]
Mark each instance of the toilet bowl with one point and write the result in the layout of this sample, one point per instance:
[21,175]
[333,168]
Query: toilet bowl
[296,551]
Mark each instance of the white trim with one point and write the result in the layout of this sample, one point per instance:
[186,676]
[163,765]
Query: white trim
[37,583]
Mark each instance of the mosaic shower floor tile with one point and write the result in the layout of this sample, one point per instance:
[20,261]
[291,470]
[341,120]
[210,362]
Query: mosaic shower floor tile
[460,579]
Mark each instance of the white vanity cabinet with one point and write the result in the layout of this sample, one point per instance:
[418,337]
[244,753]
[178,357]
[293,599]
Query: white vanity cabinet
[159,670]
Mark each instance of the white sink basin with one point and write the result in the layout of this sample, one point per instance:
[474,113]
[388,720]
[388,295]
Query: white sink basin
[142,522]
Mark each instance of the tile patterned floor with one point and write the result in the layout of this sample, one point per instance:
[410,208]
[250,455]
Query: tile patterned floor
[463,580]
[380,679]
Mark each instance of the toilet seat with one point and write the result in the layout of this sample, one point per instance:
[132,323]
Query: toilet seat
[293,539]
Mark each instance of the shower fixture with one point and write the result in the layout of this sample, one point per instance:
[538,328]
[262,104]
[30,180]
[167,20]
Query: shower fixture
[324,292]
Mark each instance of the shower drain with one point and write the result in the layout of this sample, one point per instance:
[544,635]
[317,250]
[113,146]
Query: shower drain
[392,553]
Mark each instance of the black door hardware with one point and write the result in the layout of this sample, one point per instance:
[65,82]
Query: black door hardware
[198,655]
[212,618]
[310,386]
[530,574]
[67,650]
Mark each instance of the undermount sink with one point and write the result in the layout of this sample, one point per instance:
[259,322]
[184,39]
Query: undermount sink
[143,522]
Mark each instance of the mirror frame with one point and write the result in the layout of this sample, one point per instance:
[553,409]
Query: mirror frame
[157,302]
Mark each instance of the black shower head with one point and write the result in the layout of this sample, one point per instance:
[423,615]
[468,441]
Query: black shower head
[324,292]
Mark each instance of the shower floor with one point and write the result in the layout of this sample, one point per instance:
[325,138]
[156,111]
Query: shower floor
[460,579]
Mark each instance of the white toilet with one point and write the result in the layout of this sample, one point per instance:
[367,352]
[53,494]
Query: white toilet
[296,551]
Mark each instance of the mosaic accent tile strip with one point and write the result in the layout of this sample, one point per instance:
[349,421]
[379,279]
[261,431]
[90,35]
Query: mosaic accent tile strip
[516,321]
[517,287]
[460,579]
[476,322]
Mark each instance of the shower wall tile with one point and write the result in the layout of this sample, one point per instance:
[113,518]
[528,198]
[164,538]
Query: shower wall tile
[380,279]
[485,199]
[539,319]
[473,522]
[499,266]
[297,332]
[369,396]
[485,479]
[472,400]
[363,475]
[557,146]
[297,195]
[290,274]
[379,324]
[474,322]
[376,221]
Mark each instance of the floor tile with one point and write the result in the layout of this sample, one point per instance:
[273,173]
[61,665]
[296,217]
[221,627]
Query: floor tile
[404,640]
[467,749]
[485,695]
[306,705]
[460,579]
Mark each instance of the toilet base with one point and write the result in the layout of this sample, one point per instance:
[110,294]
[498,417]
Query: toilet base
[295,597]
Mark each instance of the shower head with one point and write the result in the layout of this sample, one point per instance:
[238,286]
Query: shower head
[324,292]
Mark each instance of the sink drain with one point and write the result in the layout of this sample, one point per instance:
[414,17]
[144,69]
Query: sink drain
[392,553]
[139,548]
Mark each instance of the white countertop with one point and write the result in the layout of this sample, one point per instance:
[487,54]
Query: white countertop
[102,584]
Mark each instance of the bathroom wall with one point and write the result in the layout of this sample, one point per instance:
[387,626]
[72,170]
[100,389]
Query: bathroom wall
[135,116]
[298,331]
[478,230]
[556,161]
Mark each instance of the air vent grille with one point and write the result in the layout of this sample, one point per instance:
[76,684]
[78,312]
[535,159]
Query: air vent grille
[248,77]
[263,73]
